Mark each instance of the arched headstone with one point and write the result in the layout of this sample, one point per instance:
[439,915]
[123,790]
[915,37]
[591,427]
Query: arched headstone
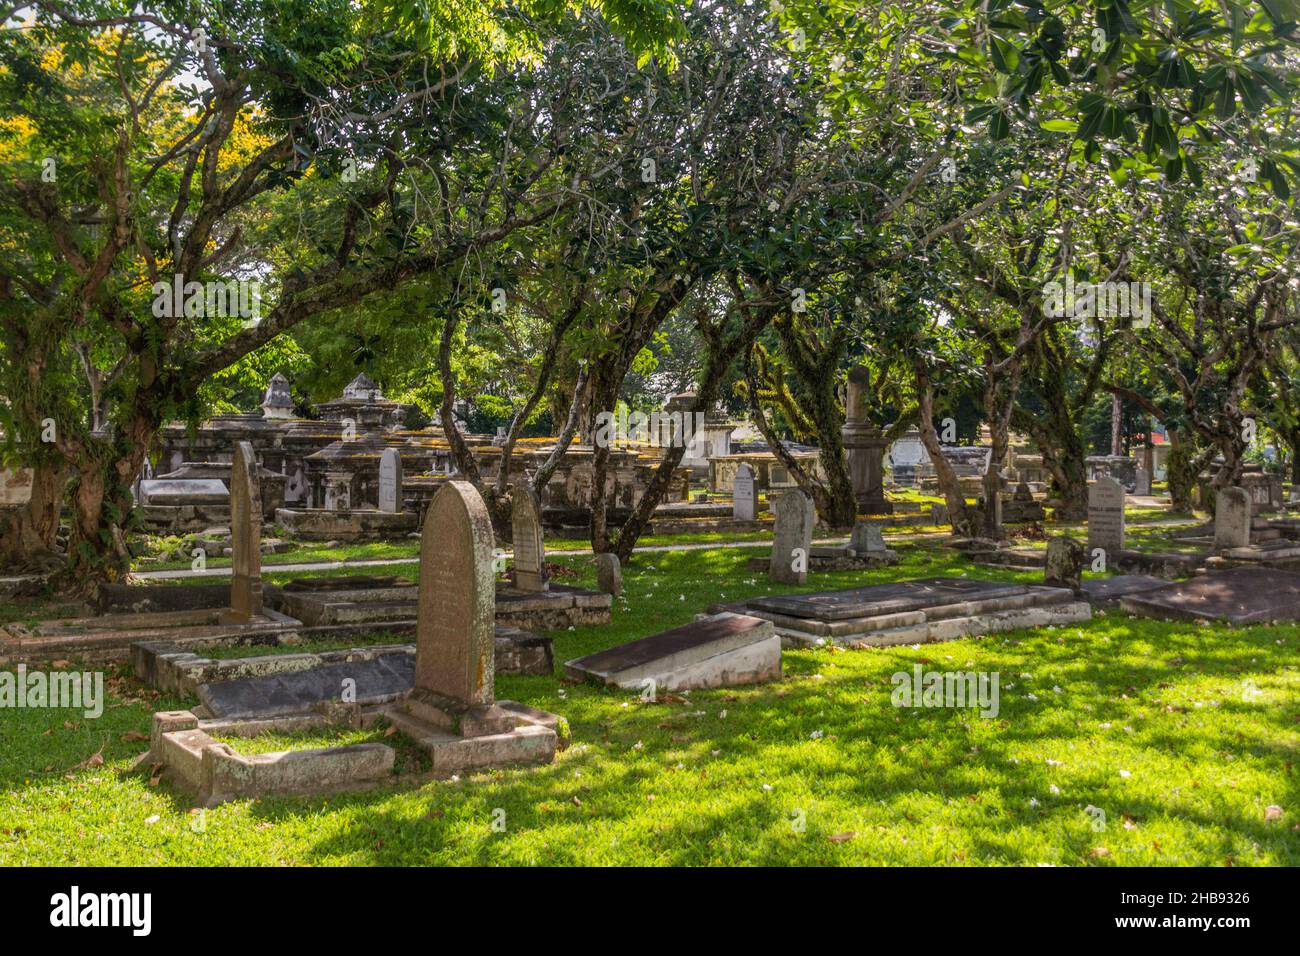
[529,549]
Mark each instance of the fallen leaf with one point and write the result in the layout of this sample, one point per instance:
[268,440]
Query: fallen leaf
[1098,852]
[1272,812]
[133,735]
[841,837]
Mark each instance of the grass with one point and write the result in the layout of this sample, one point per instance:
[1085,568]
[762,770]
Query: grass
[818,768]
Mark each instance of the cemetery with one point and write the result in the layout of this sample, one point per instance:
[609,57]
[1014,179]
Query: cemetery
[628,408]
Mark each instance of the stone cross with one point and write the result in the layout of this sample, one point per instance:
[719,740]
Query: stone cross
[245,537]
[792,538]
[1232,509]
[456,612]
[742,494]
[526,530]
[1106,518]
[390,481]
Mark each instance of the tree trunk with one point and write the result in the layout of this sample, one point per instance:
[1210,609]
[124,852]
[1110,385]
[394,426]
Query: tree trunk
[29,534]
[1180,472]
[959,515]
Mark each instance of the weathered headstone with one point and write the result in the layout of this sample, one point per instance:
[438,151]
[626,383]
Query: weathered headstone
[15,486]
[609,573]
[245,537]
[742,508]
[526,530]
[1106,517]
[791,538]
[1231,518]
[867,538]
[1142,481]
[1064,566]
[390,481]
[457,605]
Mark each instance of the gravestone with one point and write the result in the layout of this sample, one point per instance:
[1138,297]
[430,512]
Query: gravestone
[1231,519]
[1142,481]
[791,538]
[526,530]
[245,537]
[1106,517]
[1064,566]
[867,538]
[457,604]
[742,508]
[390,481]
[1238,596]
[609,573]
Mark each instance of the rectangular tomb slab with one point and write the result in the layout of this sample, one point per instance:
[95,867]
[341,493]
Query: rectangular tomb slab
[719,651]
[1236,596]
[883,599]
[1106,592]
[376,681]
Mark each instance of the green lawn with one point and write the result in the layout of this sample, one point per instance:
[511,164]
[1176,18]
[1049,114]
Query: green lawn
[1183,736]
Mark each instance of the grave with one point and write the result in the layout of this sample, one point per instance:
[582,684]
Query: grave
[1237,596]
[722,650]
[1232,510]
[450,711]
[1109,591]
[912,612]
[1063,567]
[865,549]
[609,574]
[390,481]
[742,492]
[245,538]
[526,533]
[1106,517]
[791,538]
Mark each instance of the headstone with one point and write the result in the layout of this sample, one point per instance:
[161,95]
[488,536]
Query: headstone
[1142,481]
[457,605]
[1023,493]
[1106,517]
[245,537]
[1232,508]
[792,538]
[867,538]
[742,508]
[390,481]
[609,573]
[1064,567]
[526,530]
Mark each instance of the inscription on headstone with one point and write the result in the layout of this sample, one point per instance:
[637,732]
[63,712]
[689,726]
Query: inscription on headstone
[1106,517]
[792,538]
[530,551]
[457,604]
[742,508]
[390,481]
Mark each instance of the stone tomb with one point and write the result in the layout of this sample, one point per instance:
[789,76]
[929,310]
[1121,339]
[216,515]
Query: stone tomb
[450,712]
[1110,591]
[1238,596]
[912,612]
[718,651]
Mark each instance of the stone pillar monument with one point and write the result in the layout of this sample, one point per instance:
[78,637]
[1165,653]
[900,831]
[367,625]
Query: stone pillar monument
[864,448]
